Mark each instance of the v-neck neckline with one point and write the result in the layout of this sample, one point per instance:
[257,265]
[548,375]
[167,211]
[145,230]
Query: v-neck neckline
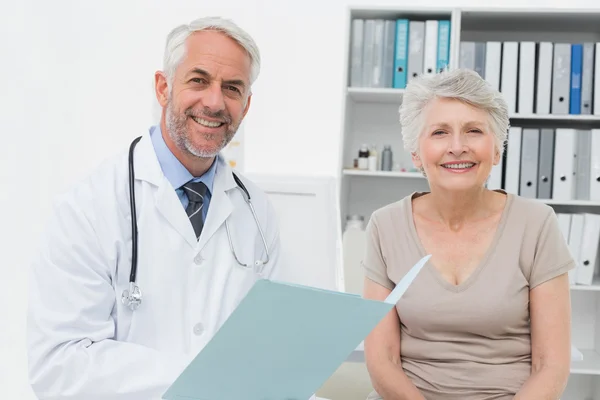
[481,264]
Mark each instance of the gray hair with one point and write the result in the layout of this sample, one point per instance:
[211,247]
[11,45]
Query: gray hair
[175,48]
[461,84]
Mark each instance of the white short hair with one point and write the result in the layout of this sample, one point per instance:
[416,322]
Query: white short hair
[175,48]
[461,84]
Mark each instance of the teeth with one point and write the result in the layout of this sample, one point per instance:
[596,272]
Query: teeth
[208,124]
[459,166]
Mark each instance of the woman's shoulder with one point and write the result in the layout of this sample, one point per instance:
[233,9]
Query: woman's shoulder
[392,211]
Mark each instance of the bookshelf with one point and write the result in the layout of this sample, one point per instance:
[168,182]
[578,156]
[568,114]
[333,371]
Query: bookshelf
[371,117]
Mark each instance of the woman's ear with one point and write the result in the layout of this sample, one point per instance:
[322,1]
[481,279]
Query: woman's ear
[497,156]
[416,160]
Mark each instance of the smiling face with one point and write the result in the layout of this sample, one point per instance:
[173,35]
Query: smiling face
[209,96]
[457,148]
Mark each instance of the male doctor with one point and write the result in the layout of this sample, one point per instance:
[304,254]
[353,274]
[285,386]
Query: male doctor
[86,338]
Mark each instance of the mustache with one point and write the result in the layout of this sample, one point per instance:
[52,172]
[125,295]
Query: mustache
[220,115]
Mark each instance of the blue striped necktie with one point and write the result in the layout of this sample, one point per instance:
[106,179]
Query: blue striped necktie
[195,192]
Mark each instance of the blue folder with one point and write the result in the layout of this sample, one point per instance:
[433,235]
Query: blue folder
[283,342]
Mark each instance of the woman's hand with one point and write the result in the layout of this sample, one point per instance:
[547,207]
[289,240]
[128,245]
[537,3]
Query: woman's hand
[550,310]
[382,352]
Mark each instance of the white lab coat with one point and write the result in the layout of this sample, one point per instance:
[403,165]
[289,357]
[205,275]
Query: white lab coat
[83,342]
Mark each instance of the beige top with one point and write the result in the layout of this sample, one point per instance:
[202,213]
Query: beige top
[472,340]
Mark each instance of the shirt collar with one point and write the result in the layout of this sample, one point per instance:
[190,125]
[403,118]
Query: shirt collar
[173,169]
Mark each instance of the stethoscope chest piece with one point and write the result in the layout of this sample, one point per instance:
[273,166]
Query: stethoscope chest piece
[132,298]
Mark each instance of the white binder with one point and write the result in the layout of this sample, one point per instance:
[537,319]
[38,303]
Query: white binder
[595,165]
[495,180]
[526,77]
[416,48]
[563,176]
[596,80]
[513,160]
[564,224]
[588,253]
[575,238]
[508,84]
[493,55]
[544,78]
[431,48]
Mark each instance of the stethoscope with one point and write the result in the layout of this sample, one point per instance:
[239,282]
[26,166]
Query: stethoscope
[132,297]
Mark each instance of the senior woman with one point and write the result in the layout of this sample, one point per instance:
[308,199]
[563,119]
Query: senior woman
[489,315]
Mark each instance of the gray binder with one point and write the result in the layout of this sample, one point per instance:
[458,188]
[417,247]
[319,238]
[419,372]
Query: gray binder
[546,164]
[561,78]
[529,162]
[416,49]
[587,78]
[584,164]
[480,58]
[356,71]
[467,55]
[378,50]
[389,40]
[368,53]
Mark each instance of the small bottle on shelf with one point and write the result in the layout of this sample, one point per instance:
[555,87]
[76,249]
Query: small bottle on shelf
[386,158]
[363,157]
[372,159]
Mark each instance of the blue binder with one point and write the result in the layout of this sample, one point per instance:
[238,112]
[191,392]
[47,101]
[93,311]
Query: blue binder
[443,51]
[283,342]
[401,54]
[575,83]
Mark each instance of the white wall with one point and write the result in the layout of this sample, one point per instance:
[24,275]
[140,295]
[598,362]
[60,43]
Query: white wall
[77,86]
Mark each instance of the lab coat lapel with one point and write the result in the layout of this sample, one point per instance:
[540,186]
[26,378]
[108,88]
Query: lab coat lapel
[169,205]
[220,204]
[147,168]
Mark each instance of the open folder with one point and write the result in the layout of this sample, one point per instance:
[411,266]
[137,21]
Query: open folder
[283,342]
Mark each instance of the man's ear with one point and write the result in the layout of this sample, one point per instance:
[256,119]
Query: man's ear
[161,87]
[248,101]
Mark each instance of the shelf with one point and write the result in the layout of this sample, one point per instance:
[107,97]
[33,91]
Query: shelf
[556,121]
[527,22]
[590,365]
[584,203]
[383,174]
[376,95]
[556,117]
[393,12]
[594,287]
[394,96]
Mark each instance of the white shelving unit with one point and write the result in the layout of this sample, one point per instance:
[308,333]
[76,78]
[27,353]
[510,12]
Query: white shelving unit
[371,117]
[383,174]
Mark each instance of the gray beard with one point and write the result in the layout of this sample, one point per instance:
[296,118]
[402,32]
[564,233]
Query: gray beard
[178,131]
